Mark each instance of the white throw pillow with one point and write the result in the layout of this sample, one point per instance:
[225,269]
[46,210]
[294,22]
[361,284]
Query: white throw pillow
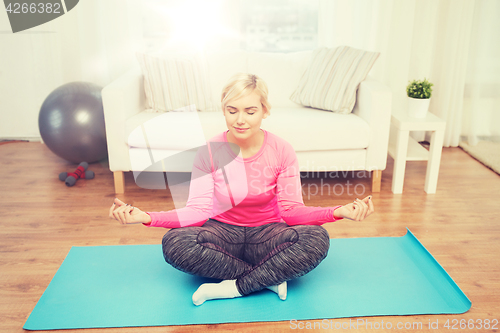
[332,78]
[175,81]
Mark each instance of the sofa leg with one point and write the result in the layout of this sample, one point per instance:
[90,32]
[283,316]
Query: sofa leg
[119,181]
[376,180]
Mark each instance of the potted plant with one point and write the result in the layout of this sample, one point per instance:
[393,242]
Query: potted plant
[419,96]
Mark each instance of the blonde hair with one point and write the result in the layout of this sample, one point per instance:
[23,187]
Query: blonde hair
[243,84]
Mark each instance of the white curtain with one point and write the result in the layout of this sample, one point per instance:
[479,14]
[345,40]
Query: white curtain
[481,119]
[95,42]
[416,39]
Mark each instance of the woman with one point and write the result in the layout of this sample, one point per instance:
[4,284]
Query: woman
[243,185]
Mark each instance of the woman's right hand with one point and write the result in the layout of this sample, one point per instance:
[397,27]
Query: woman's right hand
[126,214]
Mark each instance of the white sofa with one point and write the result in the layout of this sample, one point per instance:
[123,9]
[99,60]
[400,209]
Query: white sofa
[323,140]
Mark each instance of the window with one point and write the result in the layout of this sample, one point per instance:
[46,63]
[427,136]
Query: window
[258,25]
[279,26]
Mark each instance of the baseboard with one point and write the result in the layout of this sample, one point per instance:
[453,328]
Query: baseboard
[22,138]
[492,138]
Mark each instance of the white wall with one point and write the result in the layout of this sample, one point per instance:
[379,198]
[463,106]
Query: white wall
[23,83]
[97,40]
[94,42]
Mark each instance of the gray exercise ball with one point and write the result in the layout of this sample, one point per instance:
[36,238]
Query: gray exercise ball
[71,123]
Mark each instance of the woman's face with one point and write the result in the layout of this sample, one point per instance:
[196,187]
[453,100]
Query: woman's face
[244,116]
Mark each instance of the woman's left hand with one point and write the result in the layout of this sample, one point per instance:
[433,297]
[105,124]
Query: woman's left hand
[357,210]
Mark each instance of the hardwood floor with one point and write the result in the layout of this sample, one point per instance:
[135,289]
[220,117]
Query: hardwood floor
[41,219]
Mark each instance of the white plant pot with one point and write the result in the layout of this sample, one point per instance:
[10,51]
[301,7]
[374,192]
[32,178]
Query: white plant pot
[417,108]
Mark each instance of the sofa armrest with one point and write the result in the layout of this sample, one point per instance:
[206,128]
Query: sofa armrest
[121,99]
[373,104]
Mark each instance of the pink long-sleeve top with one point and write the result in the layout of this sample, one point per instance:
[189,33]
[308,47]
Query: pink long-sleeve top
[264,188]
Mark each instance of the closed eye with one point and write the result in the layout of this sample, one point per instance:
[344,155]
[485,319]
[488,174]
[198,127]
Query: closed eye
[250,110]
[250,113]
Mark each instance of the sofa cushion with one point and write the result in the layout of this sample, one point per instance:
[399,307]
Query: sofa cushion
[305,129]
[309,129]
[172,130]
[221,67]
[281,72]
[332,78]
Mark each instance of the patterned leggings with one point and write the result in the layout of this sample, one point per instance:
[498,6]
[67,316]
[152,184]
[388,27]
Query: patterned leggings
[256,257]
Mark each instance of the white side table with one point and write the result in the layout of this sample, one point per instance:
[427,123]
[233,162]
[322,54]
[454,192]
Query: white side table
[404,148]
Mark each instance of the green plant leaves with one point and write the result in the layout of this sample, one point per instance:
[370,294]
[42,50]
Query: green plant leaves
[419,89]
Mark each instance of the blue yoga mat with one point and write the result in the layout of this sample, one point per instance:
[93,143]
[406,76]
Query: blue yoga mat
[131,285]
